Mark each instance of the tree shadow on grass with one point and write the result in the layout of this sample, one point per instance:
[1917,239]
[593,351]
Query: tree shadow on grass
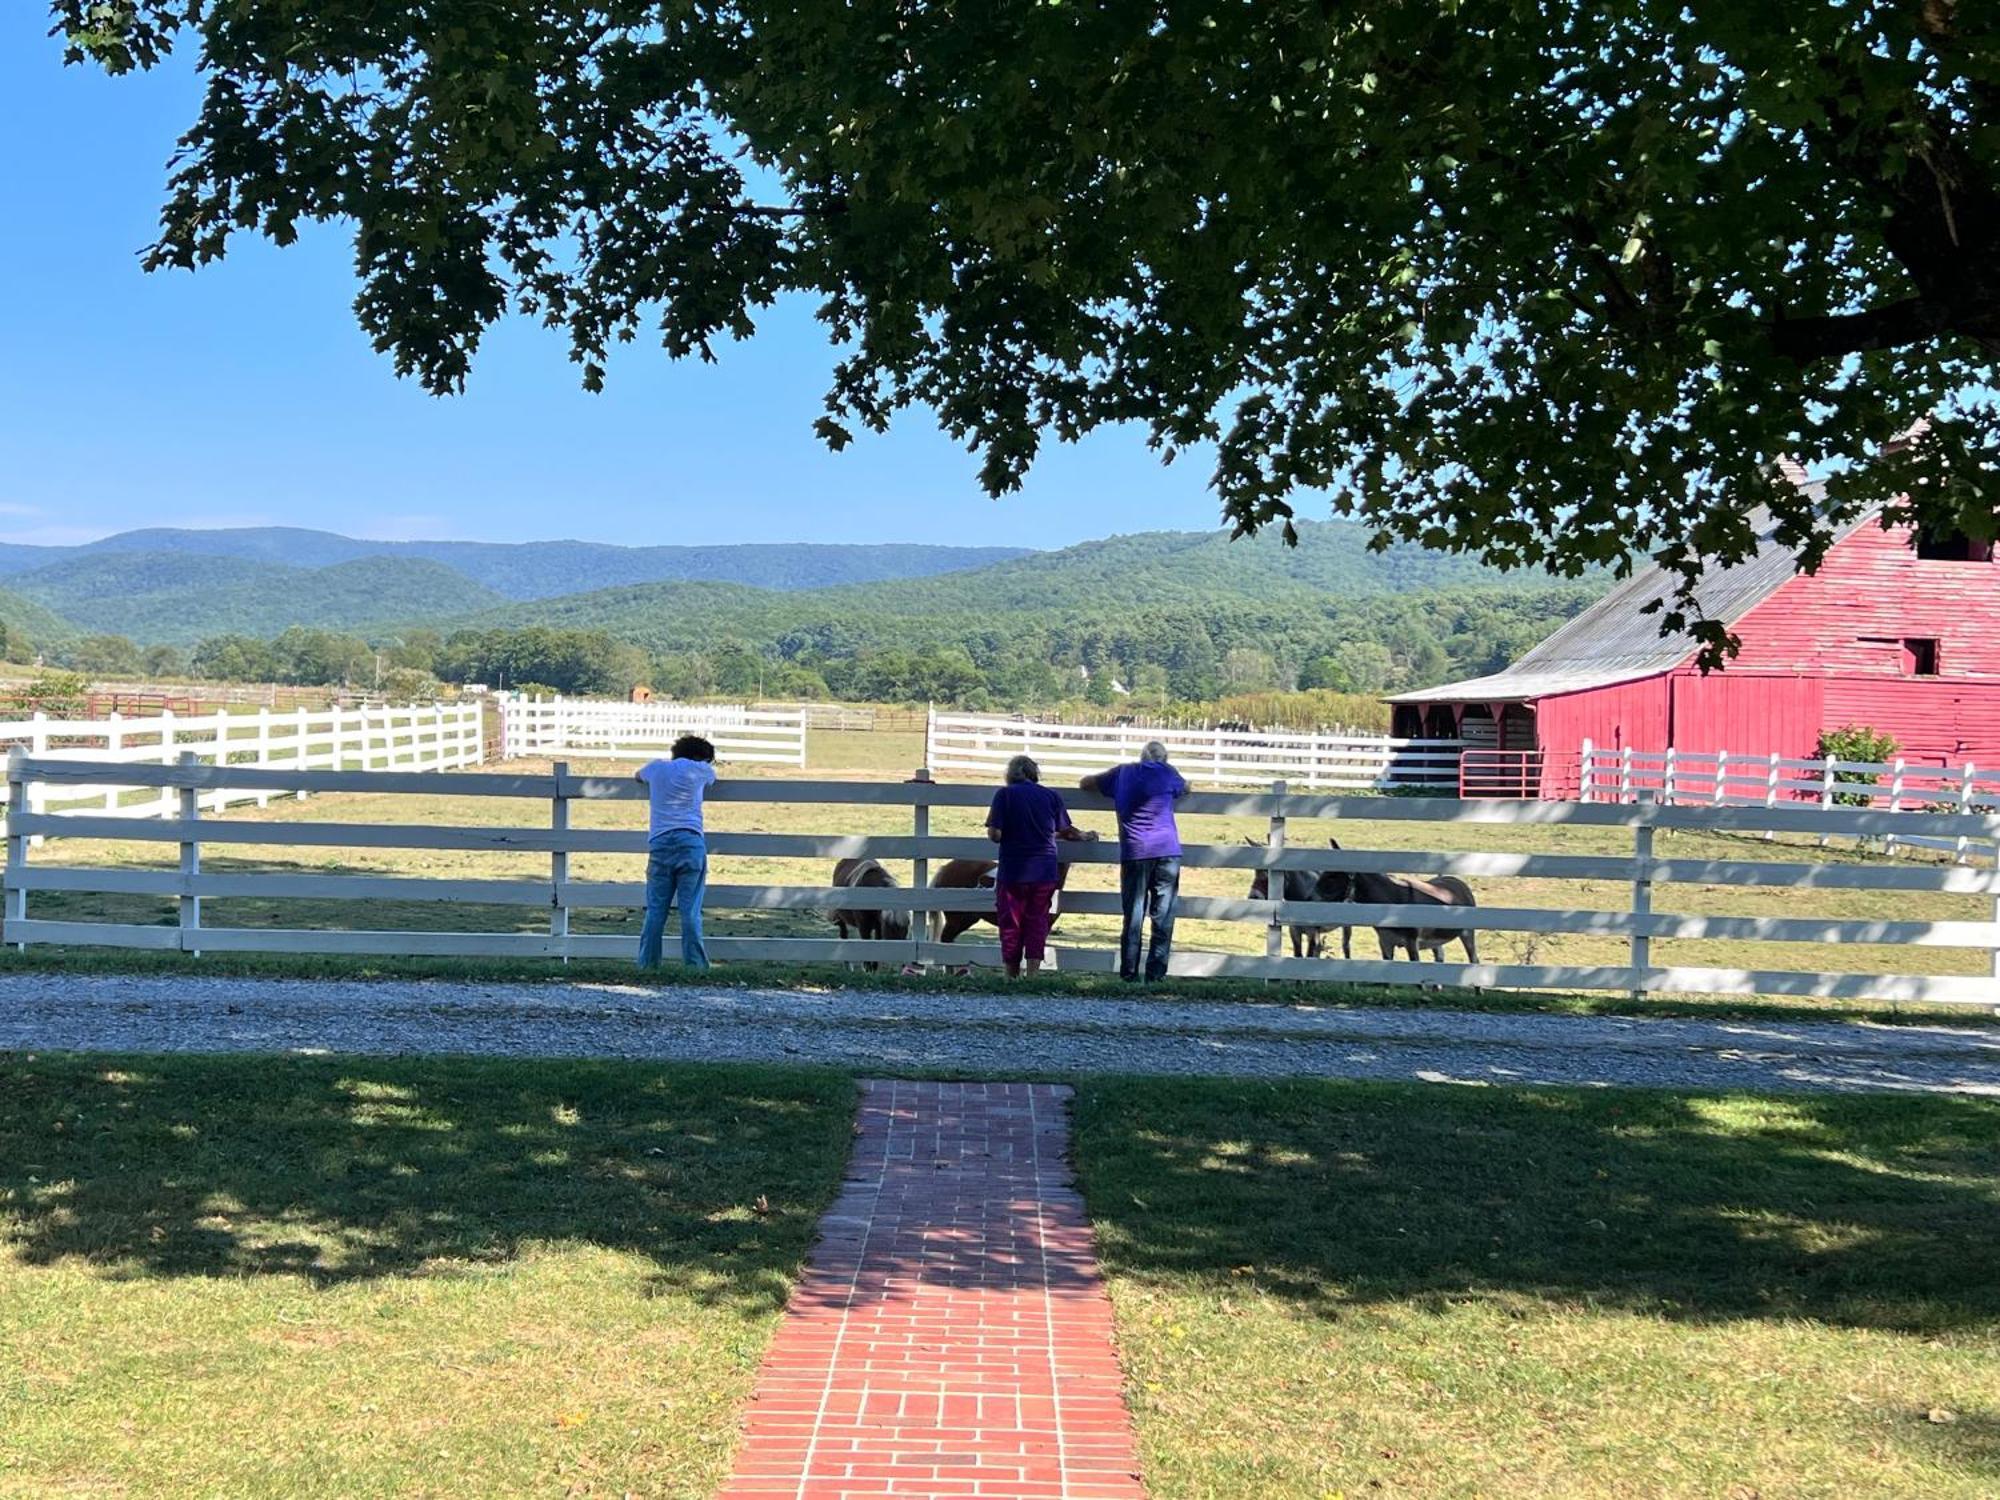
[1859,1211]
[343,1170]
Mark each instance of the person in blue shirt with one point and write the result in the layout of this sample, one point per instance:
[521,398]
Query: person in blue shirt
[676,848]
[1026,819]
[1149,854]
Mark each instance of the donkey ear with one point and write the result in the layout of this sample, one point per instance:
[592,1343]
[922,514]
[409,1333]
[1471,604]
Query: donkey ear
[1333,843]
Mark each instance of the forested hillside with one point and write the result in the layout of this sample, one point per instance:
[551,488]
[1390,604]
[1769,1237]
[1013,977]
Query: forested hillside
[1159,616]
[180,598]
[28,626]
[538,570]
[1179,613]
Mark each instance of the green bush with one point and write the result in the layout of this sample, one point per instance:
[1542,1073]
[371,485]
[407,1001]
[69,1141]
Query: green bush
[1856,742]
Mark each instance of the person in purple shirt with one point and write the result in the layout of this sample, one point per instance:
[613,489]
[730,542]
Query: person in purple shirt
[1149,854]
[1025,820]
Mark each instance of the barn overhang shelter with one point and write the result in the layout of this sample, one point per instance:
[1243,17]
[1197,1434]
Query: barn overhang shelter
[1894,632]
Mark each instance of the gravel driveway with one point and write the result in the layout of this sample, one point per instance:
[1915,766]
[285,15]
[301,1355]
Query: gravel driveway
[1000,1035]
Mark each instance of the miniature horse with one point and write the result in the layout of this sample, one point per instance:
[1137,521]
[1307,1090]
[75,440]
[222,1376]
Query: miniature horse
[884,926]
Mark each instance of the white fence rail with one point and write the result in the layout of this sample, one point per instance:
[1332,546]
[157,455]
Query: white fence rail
[1206,757]
[1639,874]
[1719,779]
[607,729]
[431,737]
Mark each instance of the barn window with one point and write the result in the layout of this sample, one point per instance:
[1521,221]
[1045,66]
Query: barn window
[1920,656]
[1952,546]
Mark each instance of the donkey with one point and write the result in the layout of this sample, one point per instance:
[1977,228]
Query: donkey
[1370,889]
[1302,885]
[887,926]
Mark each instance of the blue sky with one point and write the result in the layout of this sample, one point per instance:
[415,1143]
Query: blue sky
[246,395]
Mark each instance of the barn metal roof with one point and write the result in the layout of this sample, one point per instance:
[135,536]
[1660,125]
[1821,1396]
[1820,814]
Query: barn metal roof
[1616,641]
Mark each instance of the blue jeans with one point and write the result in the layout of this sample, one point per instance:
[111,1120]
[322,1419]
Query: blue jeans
[1148,887]
[676,873]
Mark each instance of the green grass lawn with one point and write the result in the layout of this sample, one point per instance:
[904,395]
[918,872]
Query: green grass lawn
[1350,1290]
[320,1277]
[338,1277]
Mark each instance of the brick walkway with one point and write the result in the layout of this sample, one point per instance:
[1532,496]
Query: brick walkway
[951,1335]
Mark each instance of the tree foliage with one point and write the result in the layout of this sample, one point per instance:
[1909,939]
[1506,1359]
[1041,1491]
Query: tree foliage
[1554,283]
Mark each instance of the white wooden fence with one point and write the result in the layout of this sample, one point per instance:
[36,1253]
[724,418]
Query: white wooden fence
[430,737]
[983,744]
[609,729]
[1719,779]
[1638,874]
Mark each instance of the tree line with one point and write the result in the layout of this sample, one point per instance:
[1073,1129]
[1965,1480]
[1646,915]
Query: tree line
[1366,647]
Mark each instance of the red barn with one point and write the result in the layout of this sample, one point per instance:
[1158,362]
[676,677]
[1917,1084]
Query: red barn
[1894,633]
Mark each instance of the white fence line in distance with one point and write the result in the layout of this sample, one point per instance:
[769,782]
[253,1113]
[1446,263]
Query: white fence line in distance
[1717,778]
[609,729]
[1639,873]
[423,737]
[983,744]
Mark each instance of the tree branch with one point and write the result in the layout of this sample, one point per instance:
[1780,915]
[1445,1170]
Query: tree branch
[1910,321]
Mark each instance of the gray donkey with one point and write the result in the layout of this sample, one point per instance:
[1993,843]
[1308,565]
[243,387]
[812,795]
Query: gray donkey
[1369,889]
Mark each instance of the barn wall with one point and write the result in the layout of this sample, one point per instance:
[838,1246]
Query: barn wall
[1747,713]
[1873,584]
[1625,713]
[1933,719]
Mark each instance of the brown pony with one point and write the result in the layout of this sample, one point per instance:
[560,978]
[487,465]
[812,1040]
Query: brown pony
[971,875]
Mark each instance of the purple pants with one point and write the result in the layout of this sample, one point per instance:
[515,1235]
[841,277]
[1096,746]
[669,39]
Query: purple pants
[1022,908]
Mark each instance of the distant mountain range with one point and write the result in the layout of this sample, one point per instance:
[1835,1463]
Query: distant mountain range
[518,570]
[178,587]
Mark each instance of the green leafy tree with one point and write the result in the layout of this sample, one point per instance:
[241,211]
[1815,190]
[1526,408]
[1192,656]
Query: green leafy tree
[1558,285]
[165,661]
[105,656]
[1367,666]
[234,658]
[1324,673]
[60,695]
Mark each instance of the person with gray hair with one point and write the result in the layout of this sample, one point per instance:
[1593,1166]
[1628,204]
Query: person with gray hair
[1025,820]
[1149,854]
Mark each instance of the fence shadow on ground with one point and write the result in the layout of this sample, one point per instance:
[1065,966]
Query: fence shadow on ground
[346,1170]
[1857,1211]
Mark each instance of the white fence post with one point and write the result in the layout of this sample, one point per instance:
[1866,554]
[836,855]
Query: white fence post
[17,849]
[1895,801]
[1274,886]
[264,748]
[1964,845]
[1625,774]
[920,867]
[1826,793]
[1771,793]
[114,746]
[1583,770]
[1642,895]
[1721,778]
[559,863]
[190,862]
[1670,765]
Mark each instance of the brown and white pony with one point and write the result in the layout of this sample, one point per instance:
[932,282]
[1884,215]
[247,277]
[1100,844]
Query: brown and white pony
[882,926]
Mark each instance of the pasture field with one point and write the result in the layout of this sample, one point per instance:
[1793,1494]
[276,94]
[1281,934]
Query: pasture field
[866,756]
[1351,1290]
[292,1277]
